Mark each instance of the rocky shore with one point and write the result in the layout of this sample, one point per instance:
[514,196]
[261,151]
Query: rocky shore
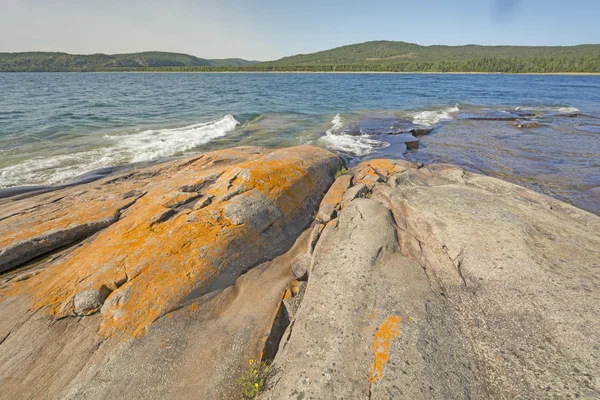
[280,274]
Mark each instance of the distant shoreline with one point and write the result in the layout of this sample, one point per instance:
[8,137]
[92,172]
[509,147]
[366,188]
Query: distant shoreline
[310,72]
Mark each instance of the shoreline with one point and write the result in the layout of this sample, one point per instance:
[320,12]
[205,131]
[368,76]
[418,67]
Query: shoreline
[311,72]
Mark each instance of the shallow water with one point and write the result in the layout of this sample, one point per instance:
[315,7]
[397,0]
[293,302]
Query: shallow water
[55,127]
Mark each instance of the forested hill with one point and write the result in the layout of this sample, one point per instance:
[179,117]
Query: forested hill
[402,56]
[379,56]
[42,62]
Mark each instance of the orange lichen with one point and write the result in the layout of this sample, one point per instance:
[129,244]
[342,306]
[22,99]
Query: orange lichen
[373,171]
[61,218]
[336,191]
[382,342]
[155,254]
[295,287]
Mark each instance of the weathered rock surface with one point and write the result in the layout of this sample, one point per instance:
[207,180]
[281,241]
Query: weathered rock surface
[417,282]
[152,238]
[447,285]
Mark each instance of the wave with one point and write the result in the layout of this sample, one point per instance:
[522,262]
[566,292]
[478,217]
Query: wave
[147,145]
[550,109]
[358,145]
[429,118]
[337,125]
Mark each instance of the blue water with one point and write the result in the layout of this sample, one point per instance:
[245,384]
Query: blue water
[57,126]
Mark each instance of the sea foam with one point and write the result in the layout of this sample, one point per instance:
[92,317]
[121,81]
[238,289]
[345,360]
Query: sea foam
[429,118]
[358,145]
[567,110]
[147,145]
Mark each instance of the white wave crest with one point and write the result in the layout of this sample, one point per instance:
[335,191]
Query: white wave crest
[568,109]
[359,145]
[337,124]
[428,118]
[550,109]
[143,146]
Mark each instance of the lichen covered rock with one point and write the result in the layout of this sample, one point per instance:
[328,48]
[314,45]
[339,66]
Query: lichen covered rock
[138,245]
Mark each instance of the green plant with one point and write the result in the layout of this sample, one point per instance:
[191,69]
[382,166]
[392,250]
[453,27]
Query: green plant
[253,380]
[340,172]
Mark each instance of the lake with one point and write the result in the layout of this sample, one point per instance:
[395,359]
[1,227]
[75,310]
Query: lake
[55,127]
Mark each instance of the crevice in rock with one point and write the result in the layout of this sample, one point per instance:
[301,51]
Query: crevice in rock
[5,337]
[198,187]
[457,262]
[278,328]
[27,250]
[28,210]
[135,174]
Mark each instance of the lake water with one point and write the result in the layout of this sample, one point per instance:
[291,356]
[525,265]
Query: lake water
[54,127]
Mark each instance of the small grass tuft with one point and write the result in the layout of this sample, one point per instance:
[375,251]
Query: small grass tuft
[254,379]
[340,172]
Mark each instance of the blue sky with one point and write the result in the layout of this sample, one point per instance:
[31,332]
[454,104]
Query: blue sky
[270,29]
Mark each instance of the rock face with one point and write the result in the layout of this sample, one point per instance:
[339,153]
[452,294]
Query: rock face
[412,281]
[151,239]
[446,285]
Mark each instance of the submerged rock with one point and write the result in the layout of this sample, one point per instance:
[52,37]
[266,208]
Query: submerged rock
[528,124]
[411,142]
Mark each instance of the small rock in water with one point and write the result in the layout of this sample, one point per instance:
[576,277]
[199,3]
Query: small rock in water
[567,115]
[421,131]
[528,124]
[411,142]
[523,113]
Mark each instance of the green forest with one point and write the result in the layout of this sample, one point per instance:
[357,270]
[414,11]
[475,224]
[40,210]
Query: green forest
[63,62]
[380,56]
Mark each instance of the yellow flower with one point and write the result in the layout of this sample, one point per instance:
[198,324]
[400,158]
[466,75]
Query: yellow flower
[251,361]
[256,385]
[255,371]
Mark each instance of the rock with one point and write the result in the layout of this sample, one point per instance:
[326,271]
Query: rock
[300,268]
[411,142]
[355,192]
[314,237]
[523,113]
[142,245]
[425,282]
[567,115]
[443,285]
[89,301]
[382,124]
[421,131]
[201,349]
[333,198]
[492,115]
[528,124]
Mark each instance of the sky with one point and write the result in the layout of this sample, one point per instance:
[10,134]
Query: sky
[271,29]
